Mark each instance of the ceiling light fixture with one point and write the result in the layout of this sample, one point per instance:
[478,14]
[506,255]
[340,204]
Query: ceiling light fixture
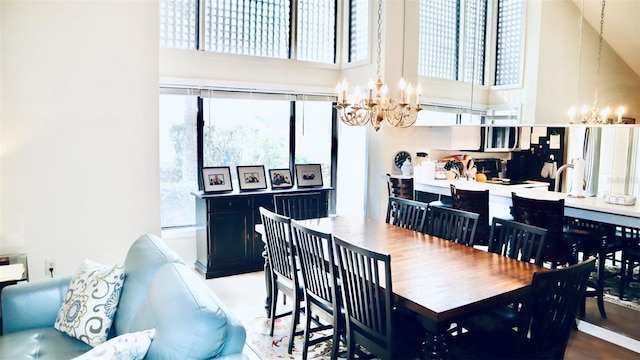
[374,106]
[595,115]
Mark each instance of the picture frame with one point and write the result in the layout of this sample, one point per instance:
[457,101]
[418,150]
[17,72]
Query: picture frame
[309,175]
[251,177]
[217,179]
[280,178]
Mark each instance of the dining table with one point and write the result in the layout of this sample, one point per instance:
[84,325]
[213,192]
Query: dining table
[438,280]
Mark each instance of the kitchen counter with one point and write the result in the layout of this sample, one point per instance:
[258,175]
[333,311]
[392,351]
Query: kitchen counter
[590,208]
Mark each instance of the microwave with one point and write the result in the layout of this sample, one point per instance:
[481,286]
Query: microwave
[498,138]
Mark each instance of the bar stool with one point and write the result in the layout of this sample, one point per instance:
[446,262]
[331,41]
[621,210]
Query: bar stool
[593,239]
[476,201]
[547,214]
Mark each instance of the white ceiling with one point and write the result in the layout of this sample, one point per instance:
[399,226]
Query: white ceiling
[621,26]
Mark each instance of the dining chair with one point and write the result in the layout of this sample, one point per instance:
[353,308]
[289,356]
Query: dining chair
[283,269]
[592,238]
[405,213]
[320,282]
[547,214]
[517,240]
[451,224]
[475,201]
[366,293]
[301,206]
[545,322]
[630,238]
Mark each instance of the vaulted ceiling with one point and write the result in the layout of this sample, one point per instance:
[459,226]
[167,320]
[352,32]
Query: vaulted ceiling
[621,26]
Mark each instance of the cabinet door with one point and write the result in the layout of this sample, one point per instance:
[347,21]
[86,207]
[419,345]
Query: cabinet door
[229,235]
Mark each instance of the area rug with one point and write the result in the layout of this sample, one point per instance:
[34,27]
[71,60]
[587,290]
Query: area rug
[275,347]
[631,297]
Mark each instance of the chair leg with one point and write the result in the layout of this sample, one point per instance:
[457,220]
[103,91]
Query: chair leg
[600,285]
[307,331]
[274,302]
[294,321]
[336,337]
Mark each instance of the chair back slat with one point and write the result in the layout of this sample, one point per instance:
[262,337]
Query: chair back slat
[451,224]
[408,214]
[548,314]
[366,284]
[301,206]
[517,241]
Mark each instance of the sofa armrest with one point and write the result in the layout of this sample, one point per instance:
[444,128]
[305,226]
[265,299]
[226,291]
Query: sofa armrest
[32,305]
[236,333]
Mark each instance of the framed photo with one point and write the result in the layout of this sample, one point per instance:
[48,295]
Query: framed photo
[251,177]
[309,175]
[217,179]
[280,178]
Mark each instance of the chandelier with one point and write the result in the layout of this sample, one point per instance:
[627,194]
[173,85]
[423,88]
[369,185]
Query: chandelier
[374,106]
[594,115]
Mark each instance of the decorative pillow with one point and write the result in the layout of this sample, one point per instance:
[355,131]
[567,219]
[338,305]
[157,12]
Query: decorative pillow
[131,346]
[91,301]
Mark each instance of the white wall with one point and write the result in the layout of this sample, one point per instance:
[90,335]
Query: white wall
[78,129]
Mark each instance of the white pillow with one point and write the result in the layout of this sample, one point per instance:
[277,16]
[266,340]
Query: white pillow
[129,346]
[91,301]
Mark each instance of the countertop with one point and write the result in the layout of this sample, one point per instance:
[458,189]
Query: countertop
[591,208]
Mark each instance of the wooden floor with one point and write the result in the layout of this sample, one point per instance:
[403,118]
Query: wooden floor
[244,294]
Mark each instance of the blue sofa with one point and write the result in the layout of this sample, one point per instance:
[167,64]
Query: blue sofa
[159,291]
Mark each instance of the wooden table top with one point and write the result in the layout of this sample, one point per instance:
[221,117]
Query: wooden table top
[438,279]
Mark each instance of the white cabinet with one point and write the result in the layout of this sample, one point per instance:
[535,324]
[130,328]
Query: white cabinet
[455,138]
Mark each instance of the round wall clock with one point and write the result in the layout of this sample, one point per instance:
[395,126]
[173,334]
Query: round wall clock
[400,157]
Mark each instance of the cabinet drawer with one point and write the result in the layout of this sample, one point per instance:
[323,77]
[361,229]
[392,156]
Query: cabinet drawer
[228,204]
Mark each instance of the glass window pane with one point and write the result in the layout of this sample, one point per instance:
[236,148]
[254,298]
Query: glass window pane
[246,132]
[178,162]
[509,42]
[313,135]
[259,28]
[178,24]
[359,30]
[316,31]
[438,46]
[474,30]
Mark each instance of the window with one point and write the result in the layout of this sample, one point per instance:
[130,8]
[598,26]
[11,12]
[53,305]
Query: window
[256,28]
[358,30]
[453,37]
[246,132]
[178,24]
[509,42]
[238,128]
[178,159]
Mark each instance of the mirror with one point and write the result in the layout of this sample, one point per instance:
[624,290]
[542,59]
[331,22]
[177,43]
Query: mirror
[561,60]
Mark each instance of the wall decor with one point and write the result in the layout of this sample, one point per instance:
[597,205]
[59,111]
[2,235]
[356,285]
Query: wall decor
[217,179]
[251,177]
[280,178]
[309,175]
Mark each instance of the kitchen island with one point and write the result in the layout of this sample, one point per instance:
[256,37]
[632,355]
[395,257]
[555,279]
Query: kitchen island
[589,208]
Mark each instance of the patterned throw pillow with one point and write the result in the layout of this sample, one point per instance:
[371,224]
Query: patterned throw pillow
[91,301]
[131,346]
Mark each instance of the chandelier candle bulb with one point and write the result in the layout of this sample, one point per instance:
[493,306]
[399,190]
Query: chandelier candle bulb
[572,115]
[619,112]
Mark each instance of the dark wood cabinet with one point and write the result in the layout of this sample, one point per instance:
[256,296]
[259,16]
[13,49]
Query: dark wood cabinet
[225,237]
